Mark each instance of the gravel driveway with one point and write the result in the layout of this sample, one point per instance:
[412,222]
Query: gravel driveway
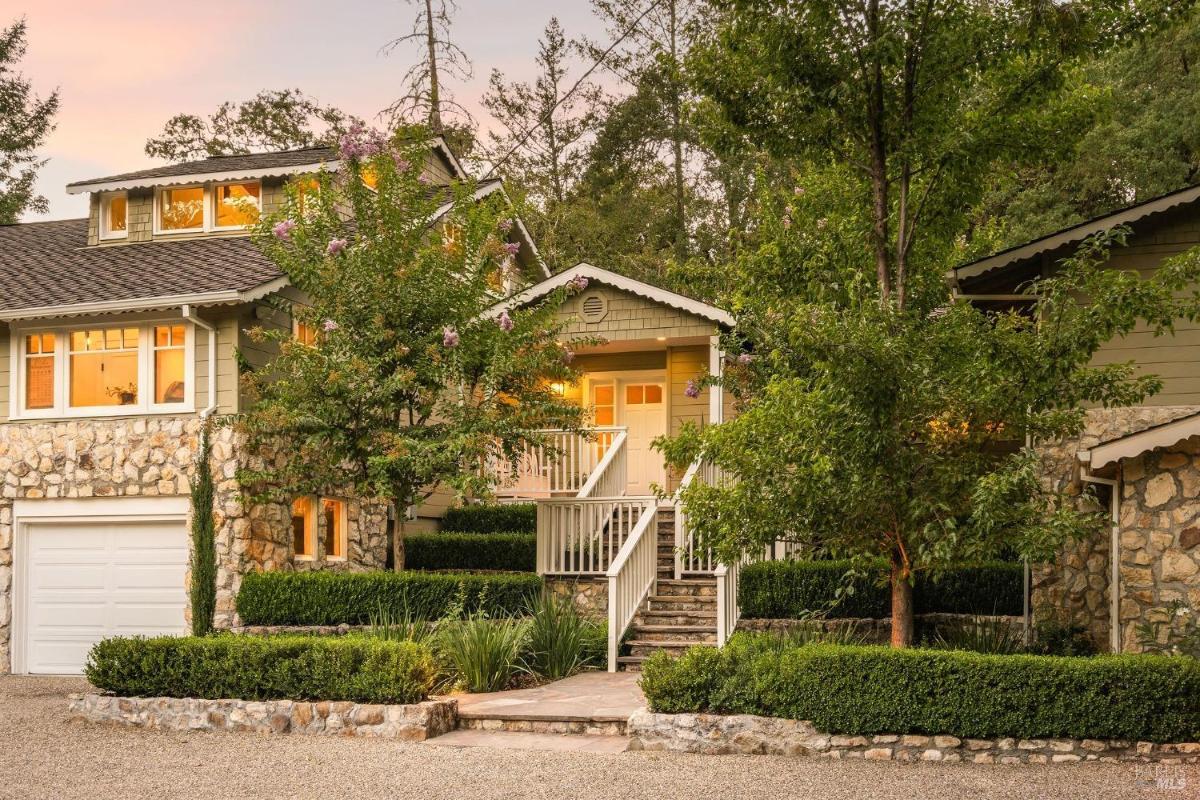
[48,756]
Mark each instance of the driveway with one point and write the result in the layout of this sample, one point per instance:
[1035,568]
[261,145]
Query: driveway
[48,756]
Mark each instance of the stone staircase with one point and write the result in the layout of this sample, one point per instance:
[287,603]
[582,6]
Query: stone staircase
[680,614]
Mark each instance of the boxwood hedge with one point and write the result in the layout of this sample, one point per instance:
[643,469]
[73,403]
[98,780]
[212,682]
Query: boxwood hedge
[361,669]
[788,589]
[353,598]
[877,690]
[514,552]
[492,518]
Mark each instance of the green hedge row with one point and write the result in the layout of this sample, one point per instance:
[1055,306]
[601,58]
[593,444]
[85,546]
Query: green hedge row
[513,552]
[492,518]
[877,690]
[353,598]
[258,668]
[788,589]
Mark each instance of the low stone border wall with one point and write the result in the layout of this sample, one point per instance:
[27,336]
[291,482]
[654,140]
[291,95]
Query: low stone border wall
[307,630]
[876,631]
[412,723]
[716,734]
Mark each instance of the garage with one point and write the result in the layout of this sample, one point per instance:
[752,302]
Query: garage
[87,570]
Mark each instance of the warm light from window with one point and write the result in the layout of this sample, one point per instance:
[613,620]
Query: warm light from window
[104,367]
[302,527]
[370,178]
[169,381]
[39,370]
[305,333]
[308,190]
[114,215]
[181,209]
[604,405]
[237,204]
[334,512]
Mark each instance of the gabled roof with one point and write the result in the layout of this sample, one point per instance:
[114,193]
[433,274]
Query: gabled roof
[616,281]
[1134,444]
[1075,233]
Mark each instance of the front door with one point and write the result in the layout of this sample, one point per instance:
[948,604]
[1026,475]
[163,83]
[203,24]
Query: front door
[640,406]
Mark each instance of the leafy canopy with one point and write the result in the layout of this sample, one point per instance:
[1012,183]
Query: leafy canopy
[25,122]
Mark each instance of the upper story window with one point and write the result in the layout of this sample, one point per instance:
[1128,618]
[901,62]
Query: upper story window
[103,370]
[308,192]
[181,209]
[236,205]
[193,209]
[114,215]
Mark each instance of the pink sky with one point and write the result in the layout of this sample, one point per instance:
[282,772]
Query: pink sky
[123,68]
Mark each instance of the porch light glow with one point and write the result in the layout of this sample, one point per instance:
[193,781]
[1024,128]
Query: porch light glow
[558,388]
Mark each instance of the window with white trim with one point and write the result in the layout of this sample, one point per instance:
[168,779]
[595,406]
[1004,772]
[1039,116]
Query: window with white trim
[103,370]
[207,207]
[236,205]
[180,209]
[114,215]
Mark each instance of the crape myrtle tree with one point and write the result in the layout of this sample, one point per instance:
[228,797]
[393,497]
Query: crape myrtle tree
[407,385]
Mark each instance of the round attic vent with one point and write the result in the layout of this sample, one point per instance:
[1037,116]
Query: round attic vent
[593,307]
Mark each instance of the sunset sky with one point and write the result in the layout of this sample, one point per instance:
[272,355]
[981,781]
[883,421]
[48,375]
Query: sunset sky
[124,68]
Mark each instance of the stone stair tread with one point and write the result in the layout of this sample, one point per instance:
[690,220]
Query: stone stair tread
[518,740]
[682,598]
[690,582]
[675,628]
[667,644]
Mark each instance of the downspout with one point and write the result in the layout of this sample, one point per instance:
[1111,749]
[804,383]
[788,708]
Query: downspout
[1114,579]
[212,359]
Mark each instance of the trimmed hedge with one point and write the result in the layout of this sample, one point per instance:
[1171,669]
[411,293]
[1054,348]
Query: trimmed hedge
[514,552]
[363,670]
[492,518]
[878,690]
[787,589]
[353,598]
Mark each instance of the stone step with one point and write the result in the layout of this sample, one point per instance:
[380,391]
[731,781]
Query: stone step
[648,647]
[517,740]
[630,663]
[673,603]
[676,617]
[688,587]
[527,723]
[694,634]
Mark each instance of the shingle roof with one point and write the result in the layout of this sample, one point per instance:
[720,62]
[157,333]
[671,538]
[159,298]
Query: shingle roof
[254,164]
[48,264]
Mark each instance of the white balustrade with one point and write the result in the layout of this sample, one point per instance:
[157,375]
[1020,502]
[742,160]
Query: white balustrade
[561,465]
[729,610]
[582,536]
[632,577]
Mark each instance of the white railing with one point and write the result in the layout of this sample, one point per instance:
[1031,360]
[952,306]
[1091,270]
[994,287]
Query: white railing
[582,536]
[690,557]
[611,475]
[631,578]
[729,610]
[562,465]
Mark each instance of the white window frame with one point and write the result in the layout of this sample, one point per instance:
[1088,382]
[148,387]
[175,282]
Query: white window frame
[62,372]
[205,213]
[343,522]
[210,217]
[106,233]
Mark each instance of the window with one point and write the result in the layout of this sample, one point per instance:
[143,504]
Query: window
[303,528]
[604,405]
[181,209]
[114,215]
[103,367]
[304,333]
[308,190]
[370,178]
[236,205]
[637,394]
[39,370]
[333,513]
[170,384]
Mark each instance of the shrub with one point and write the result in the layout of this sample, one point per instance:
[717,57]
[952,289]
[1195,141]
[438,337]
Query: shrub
[874,690]
[485,653]
[492,518]
[264,668]
[795,589]
[978,635]
[203,589]
[514,552]
[561,641]
[334,598]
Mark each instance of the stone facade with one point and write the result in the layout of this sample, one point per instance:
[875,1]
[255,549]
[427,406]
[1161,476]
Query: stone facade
[717,734]
[1160,503]
[411,723]
[156,456]
[589,594]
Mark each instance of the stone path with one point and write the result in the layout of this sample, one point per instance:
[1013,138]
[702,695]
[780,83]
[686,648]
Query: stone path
[586,697]
[547,742]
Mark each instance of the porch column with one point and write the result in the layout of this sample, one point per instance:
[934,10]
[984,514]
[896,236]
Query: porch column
[716,366]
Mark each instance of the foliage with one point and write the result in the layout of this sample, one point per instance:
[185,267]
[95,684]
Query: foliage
[391,625]
[283,119]
[335,598]
[511,552]
[813,630]
[833,589]
[411,382]
[1058,638]
[1172,631]
[485,652]
[876,690]
[25,122]
[978,635]
[203,589]
[560,639]
[491,518]
[264,668]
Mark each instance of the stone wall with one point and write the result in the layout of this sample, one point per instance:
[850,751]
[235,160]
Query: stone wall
[412,723]
[589,594]
[718,734]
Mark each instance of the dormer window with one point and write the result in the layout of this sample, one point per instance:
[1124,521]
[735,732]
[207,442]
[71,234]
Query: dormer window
[181,209]
[216,207]
[114,215]
[236,205]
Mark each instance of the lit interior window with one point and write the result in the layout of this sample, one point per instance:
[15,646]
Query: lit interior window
[181,209]
[302,527]
[114,213]
[237,204]
[169,382]
[308,190]
[305,333]
[334,512]
[603,402]
[104,367]
[39,370]
[370,178]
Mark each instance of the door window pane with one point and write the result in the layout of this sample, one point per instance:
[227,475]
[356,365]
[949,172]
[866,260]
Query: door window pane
[603,410]
[653,394]
[237,204]
[634,394]
[181,209]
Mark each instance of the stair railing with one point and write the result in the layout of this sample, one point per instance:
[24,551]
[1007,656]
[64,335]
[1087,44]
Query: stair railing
[632,578]
[583,535]
[563,463]
[611,475]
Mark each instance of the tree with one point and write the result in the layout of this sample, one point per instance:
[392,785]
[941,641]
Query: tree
[920,98]
[897,438]
[409,384]
[271,120]
[25,122]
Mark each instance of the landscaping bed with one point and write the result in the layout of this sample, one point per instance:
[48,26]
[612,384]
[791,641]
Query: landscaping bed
[510,552]
[491,518]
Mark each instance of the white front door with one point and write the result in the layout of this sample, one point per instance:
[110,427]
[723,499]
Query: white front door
[641,408]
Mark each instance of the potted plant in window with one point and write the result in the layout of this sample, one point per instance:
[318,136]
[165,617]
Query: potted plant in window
[125,395]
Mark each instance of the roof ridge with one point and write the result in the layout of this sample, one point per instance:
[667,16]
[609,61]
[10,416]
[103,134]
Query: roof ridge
[43,222]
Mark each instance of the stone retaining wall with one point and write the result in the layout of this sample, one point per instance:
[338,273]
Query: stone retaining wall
[874,631]
[412,723]
[718,734]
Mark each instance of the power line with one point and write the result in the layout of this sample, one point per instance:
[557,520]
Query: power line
[545,117]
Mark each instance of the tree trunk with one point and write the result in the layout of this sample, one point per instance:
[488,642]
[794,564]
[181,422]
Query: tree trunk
[902,607]
[435,100]
[401,512]
[879,165]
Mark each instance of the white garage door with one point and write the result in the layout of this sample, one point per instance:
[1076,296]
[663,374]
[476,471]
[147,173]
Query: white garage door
[85,580]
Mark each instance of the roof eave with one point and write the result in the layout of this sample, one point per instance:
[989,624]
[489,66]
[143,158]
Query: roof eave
[200,177]
[224,297]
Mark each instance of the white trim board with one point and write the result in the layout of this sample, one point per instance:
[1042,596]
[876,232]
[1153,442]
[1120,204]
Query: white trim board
[1135,444]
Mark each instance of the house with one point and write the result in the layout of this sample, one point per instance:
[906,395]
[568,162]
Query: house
[1144,461]
[119,334]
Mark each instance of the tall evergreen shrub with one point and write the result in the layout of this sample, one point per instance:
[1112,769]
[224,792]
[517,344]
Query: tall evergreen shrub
[204,552]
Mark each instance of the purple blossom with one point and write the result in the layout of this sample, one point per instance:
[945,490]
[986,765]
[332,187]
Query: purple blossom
[449,336]
[358,142]
[787,221]
[423,179]
[580,282]
[329,326]
[504,321]
[692,390]
[745,358]
[335,246]
[402,164]
[512,248]
[505,225]
[799,191]
[568,355]
[283,230]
